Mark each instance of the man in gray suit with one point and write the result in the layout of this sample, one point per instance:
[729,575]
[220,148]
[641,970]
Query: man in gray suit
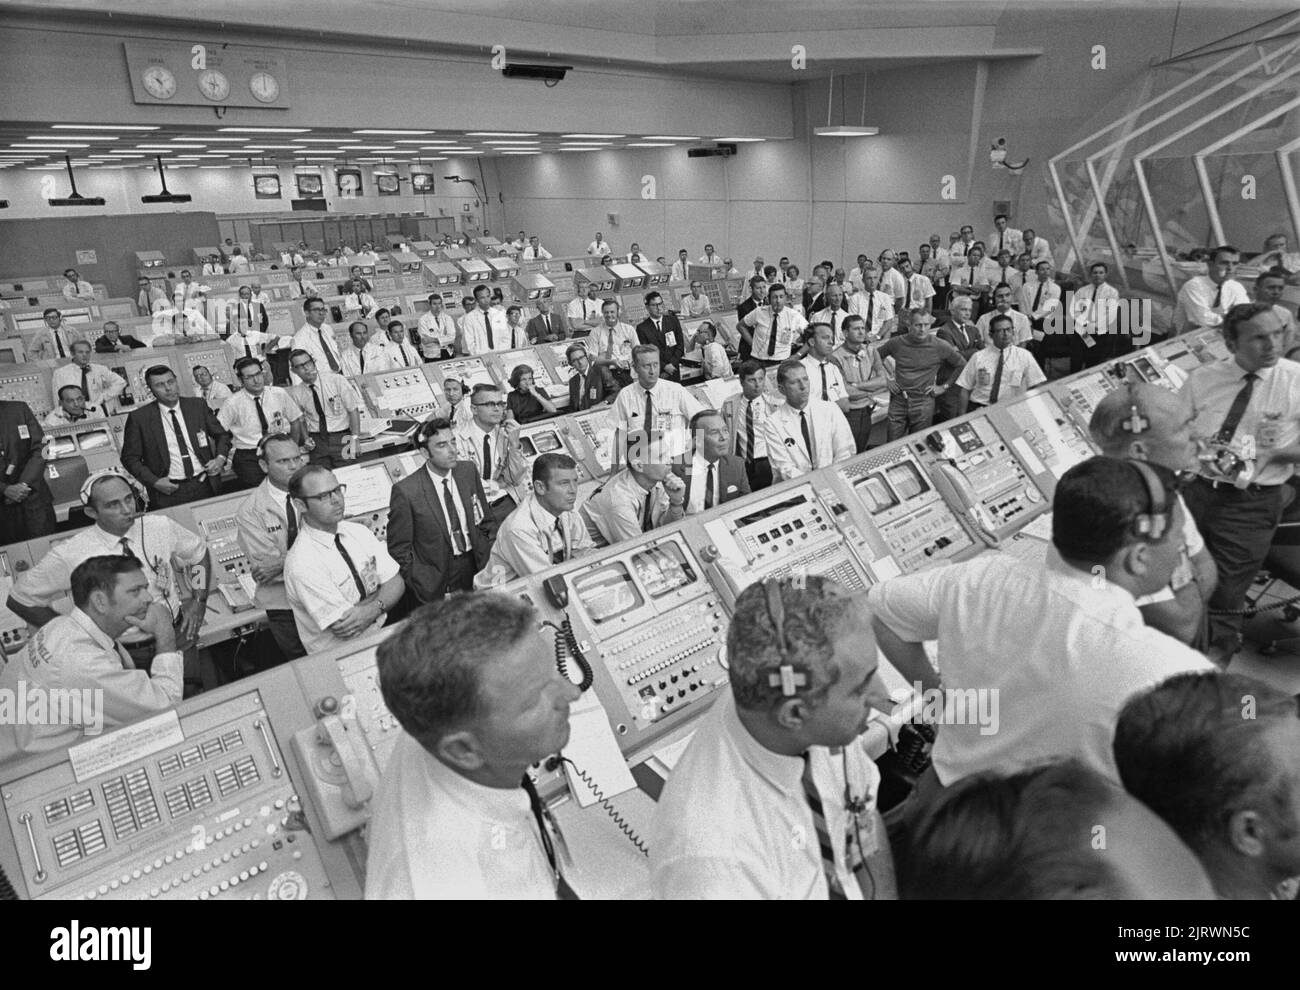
[712,475]
[439,528]
[547,326]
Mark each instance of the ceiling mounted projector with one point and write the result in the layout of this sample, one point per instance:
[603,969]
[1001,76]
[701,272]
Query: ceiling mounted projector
[712,151]
[165,196]
[551,74]
[75,199]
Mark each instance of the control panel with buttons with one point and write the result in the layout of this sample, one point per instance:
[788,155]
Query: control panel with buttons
[197,809]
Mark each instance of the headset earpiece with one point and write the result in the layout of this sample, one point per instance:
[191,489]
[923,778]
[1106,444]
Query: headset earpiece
[786,677]
[1136,423]
[1152,523]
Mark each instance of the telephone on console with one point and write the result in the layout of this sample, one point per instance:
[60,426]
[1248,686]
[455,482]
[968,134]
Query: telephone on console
[339,770]
[956,489]
[566,643]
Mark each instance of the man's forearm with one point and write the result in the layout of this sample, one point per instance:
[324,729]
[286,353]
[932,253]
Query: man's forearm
[909,659]
[36,615]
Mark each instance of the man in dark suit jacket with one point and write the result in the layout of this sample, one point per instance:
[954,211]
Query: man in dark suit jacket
[547,326]
[730,480]
[196,472]
[664,331]
[757,297]
[26,508]
[436,557]
[965,336]
[586,384]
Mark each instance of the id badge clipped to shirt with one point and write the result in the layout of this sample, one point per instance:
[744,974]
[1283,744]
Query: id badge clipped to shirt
[1270,428]
[370,575]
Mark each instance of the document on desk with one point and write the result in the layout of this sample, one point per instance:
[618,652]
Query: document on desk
[369,487]
[594,750]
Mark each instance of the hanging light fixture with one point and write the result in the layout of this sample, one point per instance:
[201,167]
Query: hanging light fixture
[165,196]
[75,199]
[845,130]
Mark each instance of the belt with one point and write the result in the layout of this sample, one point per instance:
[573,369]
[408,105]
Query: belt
[1216,485]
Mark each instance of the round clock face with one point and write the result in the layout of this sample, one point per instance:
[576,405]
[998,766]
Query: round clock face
[159,83]
[264,87]
[214,85]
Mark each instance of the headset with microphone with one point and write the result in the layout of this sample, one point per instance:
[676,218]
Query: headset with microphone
[141,494]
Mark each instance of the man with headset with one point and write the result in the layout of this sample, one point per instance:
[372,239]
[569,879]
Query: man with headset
[1148,423]
[1059,646]
[166,550]
[775,797]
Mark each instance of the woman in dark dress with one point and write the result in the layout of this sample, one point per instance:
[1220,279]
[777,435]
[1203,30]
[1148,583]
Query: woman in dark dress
[526,403]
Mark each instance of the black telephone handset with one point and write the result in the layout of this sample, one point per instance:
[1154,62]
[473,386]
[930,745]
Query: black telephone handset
[566,643]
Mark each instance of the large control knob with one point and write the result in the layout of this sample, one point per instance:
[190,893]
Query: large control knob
[288,886]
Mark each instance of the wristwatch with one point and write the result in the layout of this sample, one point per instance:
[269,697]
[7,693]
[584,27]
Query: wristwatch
[383,609]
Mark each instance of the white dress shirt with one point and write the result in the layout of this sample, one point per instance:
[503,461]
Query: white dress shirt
[319,586]
[699,484]
[215,395]
[1095,308]
[581,309]
[733,820]
[402,355]
[892,283]
[1063,650]
[736,412]
[681,271]
[1048,299]
[1040,250]
[616,343]
[178,445]
[1010,240]
[1272,417]
[1021,329]
[788,325]
[528,542]
[834,317]
[105,385]
[81,290]
[836,387]
[161,544]
[615,512]
[309,339]
[474,335]
[673,408]
[876,310]
[338,398]
[693,307]
[436,334]
[985,275]
[1020,372]
[363,302]
[72,654]
[370,360]
[922,290]
[435,834]
[262,524]
[508,465]
[1196,308]
[248,343]
[598,248]
[831,436]
[57,417]
[538,253]
[239,415]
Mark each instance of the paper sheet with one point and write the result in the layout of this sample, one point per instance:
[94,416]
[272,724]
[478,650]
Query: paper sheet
[1040,527]
[593,748]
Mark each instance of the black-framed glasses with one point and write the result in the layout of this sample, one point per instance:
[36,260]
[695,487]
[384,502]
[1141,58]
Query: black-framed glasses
[499,405]
[339,490]
[304,364]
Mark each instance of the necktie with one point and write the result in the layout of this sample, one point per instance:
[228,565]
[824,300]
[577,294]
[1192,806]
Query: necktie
[1001,238]
[771,337]
[248,351]
[708,488]
[449,499]
[487,322]
[85,383]
[749,430]
[971,276]
[62,353]
[126,548]
[362,355]
[185,447]
[871,311]
[352,568]
[320,409]
[546,324]
[563,891]
[1218,297]
[1038,297]
[487,458]
[1237,410]
[997,377]
[329,352]
[807,438]
[649,412]
[647,512]
[823,833]
[291,522]
[561,555]
[825,393]
[907,302]
[261,416]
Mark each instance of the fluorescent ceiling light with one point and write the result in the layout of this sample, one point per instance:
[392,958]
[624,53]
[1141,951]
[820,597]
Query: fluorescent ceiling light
[104,127]
[664,137]
[189,157]
[520,152]
[438,141]
[377,130]
[170,147]
[502,133]
[50,147]
[272,147]
[845,130]
[420,141]
[265,130]
[649,144]
[435,159]
[128,154]
[375,147]
[582,149]
[738,140]
[611,136]
[72,137]
[216,166]
[207,137]
[340,140]
[512,144]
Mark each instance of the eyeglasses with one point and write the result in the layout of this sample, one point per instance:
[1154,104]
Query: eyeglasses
[499,405]
[294,459]
[340,491]
[304,364]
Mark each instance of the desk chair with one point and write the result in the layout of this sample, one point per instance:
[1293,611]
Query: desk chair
[1281,566]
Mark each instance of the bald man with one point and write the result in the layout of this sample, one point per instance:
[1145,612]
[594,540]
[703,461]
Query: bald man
[1144,422]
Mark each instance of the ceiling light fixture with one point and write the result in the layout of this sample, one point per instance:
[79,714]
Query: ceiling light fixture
[265,130]
[104,127]
[502,133]
[166,196]
[663,137]
[375,130]
[75,198]
[610,136]
[845,130]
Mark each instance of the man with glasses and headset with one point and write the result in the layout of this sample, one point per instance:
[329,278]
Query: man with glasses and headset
[491,443]
[256,410]
[267,525]
[330,408]
[339,580]
[775,797]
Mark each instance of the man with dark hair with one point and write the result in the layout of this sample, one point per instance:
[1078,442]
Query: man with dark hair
[331,411]
[1216,756]
[653,404]
[113,341]
[664,331]
[544,530]
[804,433]
[1204,300]
[339,579]
[546,327]
[771,333]
[256,410]
[98,384]
[52,341]
[998,372]
[437,331]
[74,658]
[316,336]
[267,526]
[72,408]
[1270,284]
[1058,646]
[637,499]
[490,443]
[586,384]
[864,379]
[1032,835]
[746,414]
[484,328]
[176,447]
[440,525]
[456,815]
[775,795]
[26,506]
[758,294]
[1247,406]
[712,475]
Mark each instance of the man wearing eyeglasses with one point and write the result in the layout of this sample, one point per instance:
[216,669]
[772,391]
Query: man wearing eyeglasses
[256,410]
[330,409]
[267,525]
[696,303]
[338,578]
[544,530]
[317,337]
[491,443]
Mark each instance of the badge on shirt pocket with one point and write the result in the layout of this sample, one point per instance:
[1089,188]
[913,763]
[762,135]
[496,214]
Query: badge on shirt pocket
[370,575]
[670,338]
[203,440]
[1270,428]
[591,393]
[480,510]
[24,433]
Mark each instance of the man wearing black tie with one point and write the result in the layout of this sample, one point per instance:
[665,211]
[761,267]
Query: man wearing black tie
[966,337]
[546,327]
[586,384]
[401,353]
[439,527]
[175,447]
[664,331]
[712,475]
[51,342]
[745,415]
[641,497]
[26,510]
[757,296]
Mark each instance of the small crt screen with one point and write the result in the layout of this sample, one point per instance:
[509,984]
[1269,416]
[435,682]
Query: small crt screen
[663,569]
[876,494]
[543,442]
[608,593]
[907,480]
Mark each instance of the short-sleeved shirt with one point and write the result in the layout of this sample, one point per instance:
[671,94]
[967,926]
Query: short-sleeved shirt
[338,398]
[239,415]
[1020,372]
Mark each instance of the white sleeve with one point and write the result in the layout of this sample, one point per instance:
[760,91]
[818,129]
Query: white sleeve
[782,464]
[911,605]
[966,379]
[187,547]
[842,442]
[312,589]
